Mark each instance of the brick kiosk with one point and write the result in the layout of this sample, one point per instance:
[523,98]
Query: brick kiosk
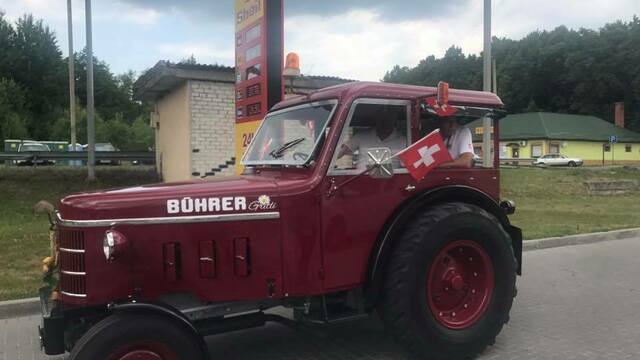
[193,111]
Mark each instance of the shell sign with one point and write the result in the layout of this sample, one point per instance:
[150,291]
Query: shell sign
[247,12]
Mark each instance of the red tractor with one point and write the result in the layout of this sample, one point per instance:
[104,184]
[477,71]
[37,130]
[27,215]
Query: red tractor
[148,272]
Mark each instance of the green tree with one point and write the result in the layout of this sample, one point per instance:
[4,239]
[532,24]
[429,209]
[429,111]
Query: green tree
[574,71]
[37,65]
[113,94]
[12,124]
[7,38]
[61,129]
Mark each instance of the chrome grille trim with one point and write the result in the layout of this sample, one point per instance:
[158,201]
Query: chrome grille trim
[71,263]
[167,219]
[74,273]
[73,295]
[74,251]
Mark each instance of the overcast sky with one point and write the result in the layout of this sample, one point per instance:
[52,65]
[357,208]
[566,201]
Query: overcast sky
[358,39]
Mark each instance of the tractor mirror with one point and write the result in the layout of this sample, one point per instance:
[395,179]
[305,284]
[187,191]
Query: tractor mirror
[379,165]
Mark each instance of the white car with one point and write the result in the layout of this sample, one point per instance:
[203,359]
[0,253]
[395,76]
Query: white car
[34,147]
[557,160]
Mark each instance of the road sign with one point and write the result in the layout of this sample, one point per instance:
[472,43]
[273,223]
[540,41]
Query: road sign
[613,139]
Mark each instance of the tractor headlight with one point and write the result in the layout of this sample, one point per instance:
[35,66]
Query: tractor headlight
[112,244]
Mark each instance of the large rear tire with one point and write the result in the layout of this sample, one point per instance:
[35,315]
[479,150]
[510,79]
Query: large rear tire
[137,337]
[450,282]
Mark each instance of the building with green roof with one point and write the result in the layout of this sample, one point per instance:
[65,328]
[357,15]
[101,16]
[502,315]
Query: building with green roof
[531,135]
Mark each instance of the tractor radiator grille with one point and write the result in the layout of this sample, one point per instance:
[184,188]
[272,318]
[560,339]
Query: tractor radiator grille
[71,263]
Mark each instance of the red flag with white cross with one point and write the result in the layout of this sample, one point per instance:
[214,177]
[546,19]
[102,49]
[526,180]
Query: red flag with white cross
[425,155]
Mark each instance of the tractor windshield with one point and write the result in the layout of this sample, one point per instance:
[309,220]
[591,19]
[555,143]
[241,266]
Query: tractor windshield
[290,136]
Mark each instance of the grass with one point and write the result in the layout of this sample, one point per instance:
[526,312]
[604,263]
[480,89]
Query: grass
[551,202]
[24,238]
[554,201]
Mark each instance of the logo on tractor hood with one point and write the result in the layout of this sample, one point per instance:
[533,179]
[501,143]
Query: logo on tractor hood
[189,205]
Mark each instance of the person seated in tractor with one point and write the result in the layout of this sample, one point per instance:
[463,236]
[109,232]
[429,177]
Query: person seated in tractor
[458,141]
[382,135]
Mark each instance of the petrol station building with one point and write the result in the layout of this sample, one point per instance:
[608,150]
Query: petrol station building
[535,134]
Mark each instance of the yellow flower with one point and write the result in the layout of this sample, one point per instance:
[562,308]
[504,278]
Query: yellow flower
[47,261]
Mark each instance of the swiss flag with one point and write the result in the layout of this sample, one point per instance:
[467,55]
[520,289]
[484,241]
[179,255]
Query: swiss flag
[425,155]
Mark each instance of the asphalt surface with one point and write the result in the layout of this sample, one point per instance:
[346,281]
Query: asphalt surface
[578,302]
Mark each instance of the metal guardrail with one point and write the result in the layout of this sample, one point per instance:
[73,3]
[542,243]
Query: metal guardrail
[146,156]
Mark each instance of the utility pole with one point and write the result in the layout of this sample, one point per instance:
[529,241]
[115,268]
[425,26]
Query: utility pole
[486,122]
[91,131]
[72,79]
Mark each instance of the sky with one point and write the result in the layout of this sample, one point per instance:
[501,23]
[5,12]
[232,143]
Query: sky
[355,39]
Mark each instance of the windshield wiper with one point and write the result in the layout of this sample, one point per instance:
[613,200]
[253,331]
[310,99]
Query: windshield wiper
[278,153]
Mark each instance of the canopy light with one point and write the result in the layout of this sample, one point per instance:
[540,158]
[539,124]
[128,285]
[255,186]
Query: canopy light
[443,93]
[292,65]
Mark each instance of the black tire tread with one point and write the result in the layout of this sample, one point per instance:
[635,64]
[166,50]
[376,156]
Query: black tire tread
[117,321]
[390,308]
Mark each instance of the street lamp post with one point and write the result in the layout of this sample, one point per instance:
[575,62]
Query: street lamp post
[91,131]
[486,122]
[72,90]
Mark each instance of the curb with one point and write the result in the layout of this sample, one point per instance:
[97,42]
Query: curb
[31,306]
[18,308]
[580,239]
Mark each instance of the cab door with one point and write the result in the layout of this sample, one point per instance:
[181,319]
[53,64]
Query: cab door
[353,214]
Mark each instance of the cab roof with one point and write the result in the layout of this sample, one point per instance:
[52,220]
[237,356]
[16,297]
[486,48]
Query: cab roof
[349,91]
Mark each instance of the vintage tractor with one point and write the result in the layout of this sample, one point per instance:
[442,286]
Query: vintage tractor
[148,272]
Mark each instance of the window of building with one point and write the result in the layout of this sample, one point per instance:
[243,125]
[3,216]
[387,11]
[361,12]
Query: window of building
[627,148]
[607,147]
[554,148]
[536,150]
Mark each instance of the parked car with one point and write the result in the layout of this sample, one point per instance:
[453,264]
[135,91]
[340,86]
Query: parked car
[33,147]
[100,147]
[557,160]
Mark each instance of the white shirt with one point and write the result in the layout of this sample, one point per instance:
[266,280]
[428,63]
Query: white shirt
[460,142]
[369,139]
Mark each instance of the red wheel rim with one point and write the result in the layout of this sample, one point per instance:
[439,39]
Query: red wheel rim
[144,350]
[460,284]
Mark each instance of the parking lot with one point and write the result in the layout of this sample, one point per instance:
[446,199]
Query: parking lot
[577,302]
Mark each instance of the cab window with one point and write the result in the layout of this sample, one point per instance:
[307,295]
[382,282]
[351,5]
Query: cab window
[372,124]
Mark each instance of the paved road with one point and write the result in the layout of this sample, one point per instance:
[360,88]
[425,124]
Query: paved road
[579,302]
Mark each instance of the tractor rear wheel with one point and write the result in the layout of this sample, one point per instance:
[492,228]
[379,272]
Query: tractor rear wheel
[137,337]
[449,283]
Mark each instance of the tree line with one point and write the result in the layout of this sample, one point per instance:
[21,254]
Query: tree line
[34,92]
[568,71]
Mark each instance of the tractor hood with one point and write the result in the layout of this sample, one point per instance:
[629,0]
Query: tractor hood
[229,195]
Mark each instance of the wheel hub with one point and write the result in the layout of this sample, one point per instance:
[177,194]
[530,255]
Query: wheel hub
[460,284]
[143,350]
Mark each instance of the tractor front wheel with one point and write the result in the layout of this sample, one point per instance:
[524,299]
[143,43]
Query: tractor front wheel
[449,283]
[137,337]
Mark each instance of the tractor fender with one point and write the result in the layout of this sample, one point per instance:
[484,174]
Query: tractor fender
[410,208]
[164,310]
